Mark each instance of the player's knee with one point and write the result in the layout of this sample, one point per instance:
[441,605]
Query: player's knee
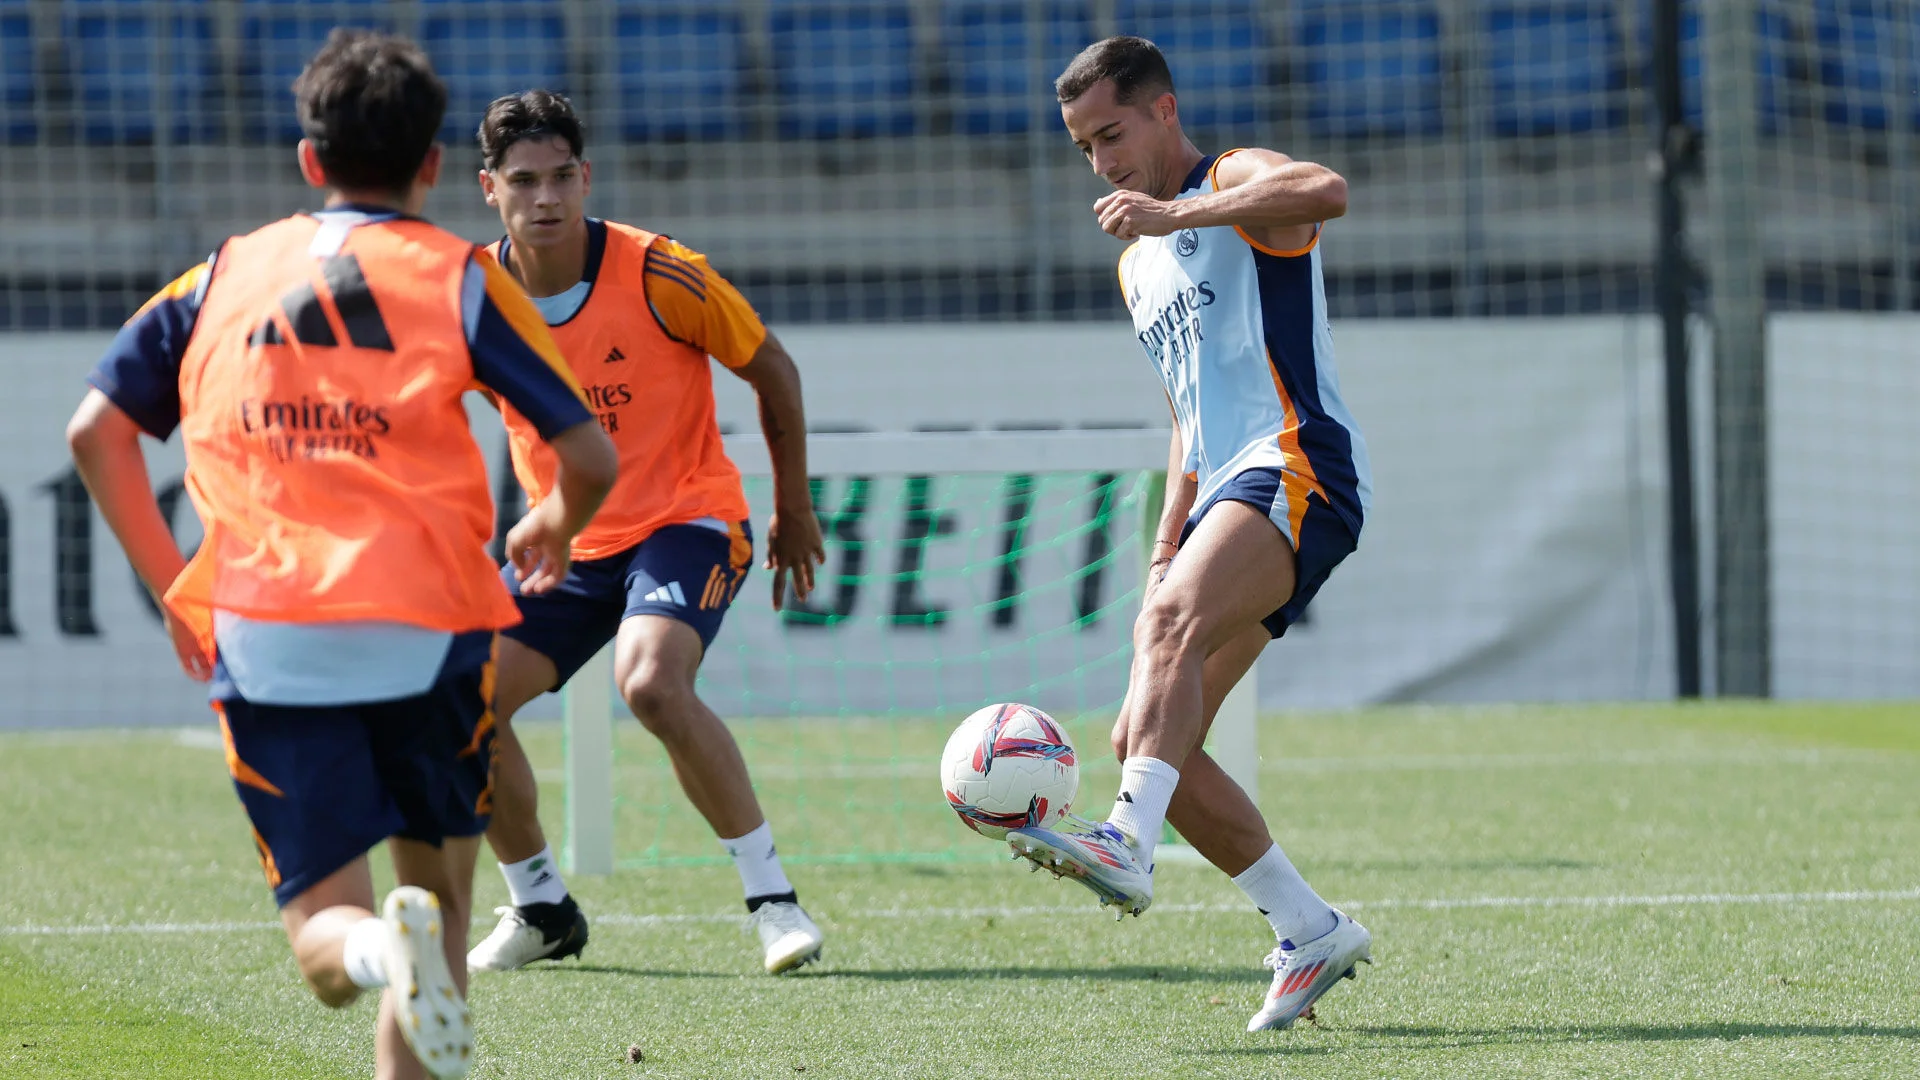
[658,699]
[1169,630]
[332,989]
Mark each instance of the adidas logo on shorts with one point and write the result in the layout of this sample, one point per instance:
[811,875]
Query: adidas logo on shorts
[668,594]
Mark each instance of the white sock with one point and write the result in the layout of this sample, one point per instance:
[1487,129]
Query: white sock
[534,881]
[1146,787]
[759,864]
[365,957]
[1296,912]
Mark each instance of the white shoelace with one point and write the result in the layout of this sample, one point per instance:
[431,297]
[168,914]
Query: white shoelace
[511,913]
[782,917]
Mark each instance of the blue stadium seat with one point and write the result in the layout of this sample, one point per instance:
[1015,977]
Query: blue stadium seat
[278,37]
[17,67]
[1552,66]
[1863,47]
[483,50]
[1218,52]
[989,53]
[678,69]
[1370,67]
[115,52]
[843,68]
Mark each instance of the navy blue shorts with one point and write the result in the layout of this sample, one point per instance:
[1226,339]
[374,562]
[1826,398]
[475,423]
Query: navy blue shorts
[688,573]
[1320,537]
[323,784]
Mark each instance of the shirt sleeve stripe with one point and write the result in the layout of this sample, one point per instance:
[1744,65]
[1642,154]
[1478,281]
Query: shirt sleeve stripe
[665,254]
[699,294]
[694,281]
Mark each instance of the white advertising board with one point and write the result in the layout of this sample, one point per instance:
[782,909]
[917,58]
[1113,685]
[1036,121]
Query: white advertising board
[1516,549]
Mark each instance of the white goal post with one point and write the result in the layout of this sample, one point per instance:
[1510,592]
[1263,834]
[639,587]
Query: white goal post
[590,712]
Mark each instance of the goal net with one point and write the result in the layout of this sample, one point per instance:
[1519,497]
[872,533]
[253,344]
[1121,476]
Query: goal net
[962,569]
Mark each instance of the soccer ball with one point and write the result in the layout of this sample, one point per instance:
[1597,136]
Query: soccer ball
[1009,766]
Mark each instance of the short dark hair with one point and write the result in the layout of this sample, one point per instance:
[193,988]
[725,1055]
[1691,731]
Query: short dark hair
[371,105]
[530,114]
[1133,63]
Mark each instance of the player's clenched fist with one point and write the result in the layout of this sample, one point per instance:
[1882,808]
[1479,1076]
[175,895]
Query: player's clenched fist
[1130,215]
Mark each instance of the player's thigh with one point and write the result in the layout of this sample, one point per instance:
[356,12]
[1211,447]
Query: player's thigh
[350,886]
[444,869]
[559,630]
[1234,569]
[522,673]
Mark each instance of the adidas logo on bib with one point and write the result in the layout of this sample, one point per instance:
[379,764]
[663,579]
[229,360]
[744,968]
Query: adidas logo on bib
[668,594]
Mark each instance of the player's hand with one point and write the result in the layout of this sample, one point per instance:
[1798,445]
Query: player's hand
[1130,215]
[186,646]
[539,550]
[793,544]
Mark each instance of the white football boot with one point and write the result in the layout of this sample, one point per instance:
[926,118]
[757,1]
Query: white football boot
[535,932]
[1095,855]
[1301,973]
[426,1003]
[788,937]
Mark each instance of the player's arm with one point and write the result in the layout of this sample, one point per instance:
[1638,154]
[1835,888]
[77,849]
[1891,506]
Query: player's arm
[793,535]
[1276,200]
[136,388]
[516,361]
[695,305]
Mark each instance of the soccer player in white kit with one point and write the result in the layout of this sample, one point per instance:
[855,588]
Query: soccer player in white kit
[1267,488]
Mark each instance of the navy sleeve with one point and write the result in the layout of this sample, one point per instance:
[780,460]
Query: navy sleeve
[140,372]
[514,355]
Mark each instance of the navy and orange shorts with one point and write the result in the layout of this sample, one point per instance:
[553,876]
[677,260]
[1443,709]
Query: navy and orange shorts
[323,784]
[1324,536]
[688,573]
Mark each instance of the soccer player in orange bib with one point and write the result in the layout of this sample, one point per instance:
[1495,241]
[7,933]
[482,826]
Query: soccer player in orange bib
[637,315]
[343,604]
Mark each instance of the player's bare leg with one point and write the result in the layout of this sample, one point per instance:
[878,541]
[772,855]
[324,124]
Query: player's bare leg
[521,674]
[1231,573]
[318,922]
[542,922]
[414,952]
[655,662]
[1209,809]
[1234,570]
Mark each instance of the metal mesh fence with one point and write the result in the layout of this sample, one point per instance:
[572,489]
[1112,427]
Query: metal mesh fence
[903,159]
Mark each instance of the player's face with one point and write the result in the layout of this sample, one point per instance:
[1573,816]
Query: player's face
[540,190]
[1125,144]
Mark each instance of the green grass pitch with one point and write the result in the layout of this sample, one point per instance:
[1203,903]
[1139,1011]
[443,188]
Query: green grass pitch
[1609,891]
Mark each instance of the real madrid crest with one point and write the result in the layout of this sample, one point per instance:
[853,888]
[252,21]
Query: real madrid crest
[1187,243]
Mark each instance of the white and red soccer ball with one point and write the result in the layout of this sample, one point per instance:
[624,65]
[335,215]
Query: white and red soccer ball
[1009,766]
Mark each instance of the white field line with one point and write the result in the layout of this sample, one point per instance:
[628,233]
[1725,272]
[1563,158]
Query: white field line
[1782,899]
[209,739]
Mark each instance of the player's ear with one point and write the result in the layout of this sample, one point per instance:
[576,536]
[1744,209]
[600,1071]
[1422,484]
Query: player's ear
[486,186]
[429,173]
[1165,108]
[586,177]
[310,169]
